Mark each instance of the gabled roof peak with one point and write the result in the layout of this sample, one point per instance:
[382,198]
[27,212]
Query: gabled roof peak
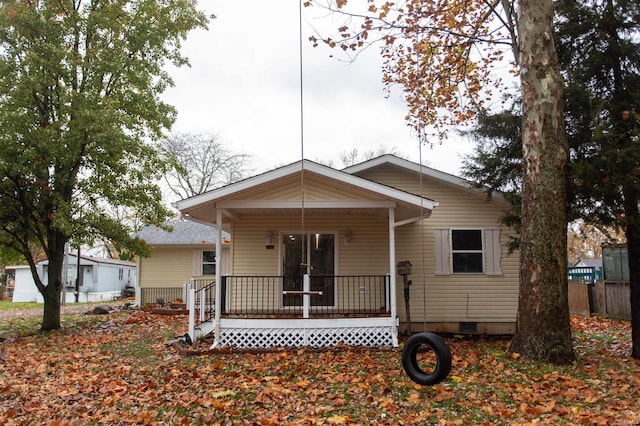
[306,166]
[393,160]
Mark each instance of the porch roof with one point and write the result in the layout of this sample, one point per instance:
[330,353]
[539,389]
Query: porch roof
[326,191]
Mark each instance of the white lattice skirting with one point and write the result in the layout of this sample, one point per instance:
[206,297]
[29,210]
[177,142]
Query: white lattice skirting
[373,332]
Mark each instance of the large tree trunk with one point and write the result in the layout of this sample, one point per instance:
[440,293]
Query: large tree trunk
[52,292]
[543,329]
[632,233]
[51,315]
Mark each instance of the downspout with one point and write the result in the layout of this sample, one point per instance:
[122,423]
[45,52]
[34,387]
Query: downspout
[392,276]
[218,287]
[392,264]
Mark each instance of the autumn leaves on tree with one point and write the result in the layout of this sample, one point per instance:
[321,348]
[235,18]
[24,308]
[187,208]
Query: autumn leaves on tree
[444,54]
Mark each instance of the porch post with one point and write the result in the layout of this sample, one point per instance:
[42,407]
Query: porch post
[218,288]
[191,305]
[306,298]
[138,301]
[392,274]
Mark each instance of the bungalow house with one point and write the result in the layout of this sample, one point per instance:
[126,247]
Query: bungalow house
[181,258]
[100,279]
[320,256]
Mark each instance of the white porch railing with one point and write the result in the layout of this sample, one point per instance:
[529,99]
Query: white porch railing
[256,311]
[199,293]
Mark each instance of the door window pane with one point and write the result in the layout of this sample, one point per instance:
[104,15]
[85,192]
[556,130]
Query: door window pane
[294,246]
[319,249]
[322,260]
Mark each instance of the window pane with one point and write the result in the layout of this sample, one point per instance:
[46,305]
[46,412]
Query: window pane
[209,256]
[467,262]
[322,254]
[208,262]
[468,239]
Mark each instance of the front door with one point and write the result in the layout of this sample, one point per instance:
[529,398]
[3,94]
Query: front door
[319,249]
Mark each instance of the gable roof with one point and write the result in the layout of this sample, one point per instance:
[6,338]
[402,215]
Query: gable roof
[183,233]
[590,262]
[103,260]
[249,194]
[390,159]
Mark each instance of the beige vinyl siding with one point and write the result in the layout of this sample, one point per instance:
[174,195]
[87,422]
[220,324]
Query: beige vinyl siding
[368,251]
[287,189]
[456,297]
[323,189]
[174,266]
[250,256]
[167,267]
[316,188]
[367,254]
[453,297]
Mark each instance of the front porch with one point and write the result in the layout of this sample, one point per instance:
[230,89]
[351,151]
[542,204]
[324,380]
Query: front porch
[301,237]
[292,311]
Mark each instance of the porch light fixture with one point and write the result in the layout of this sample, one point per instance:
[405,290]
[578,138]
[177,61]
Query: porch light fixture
[347,236]
[268,240]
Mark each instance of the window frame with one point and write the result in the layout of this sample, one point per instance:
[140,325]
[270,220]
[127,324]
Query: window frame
[203,262]
[481,251]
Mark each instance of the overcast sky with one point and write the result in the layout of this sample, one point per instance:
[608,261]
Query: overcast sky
[244,84]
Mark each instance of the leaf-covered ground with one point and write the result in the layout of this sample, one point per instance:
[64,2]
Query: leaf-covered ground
[117,369]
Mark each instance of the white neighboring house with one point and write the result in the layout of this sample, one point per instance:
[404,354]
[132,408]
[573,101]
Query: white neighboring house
[100,279]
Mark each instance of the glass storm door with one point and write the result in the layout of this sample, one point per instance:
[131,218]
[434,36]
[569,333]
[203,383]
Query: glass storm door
[320,250]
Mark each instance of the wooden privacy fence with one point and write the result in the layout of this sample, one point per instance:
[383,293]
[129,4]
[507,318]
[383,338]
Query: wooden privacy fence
[610,298]
[617,295]
[582,293]
[579,298]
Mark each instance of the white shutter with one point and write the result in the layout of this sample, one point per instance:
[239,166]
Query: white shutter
[197,263]
[492,251]
[442,251]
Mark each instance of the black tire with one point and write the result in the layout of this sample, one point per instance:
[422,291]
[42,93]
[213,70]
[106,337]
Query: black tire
[442,359]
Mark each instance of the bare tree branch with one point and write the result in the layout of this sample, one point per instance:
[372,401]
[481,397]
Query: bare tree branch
[200,163]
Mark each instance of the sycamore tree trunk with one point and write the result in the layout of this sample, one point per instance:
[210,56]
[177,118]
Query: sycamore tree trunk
[543,329]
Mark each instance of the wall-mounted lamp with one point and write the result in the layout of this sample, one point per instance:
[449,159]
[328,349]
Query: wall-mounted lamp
[268,240]
[347,236]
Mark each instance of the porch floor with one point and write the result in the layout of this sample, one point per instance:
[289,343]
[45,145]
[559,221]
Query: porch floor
[312,315]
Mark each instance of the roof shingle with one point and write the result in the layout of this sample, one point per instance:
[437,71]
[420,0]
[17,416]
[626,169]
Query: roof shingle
[184,232]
